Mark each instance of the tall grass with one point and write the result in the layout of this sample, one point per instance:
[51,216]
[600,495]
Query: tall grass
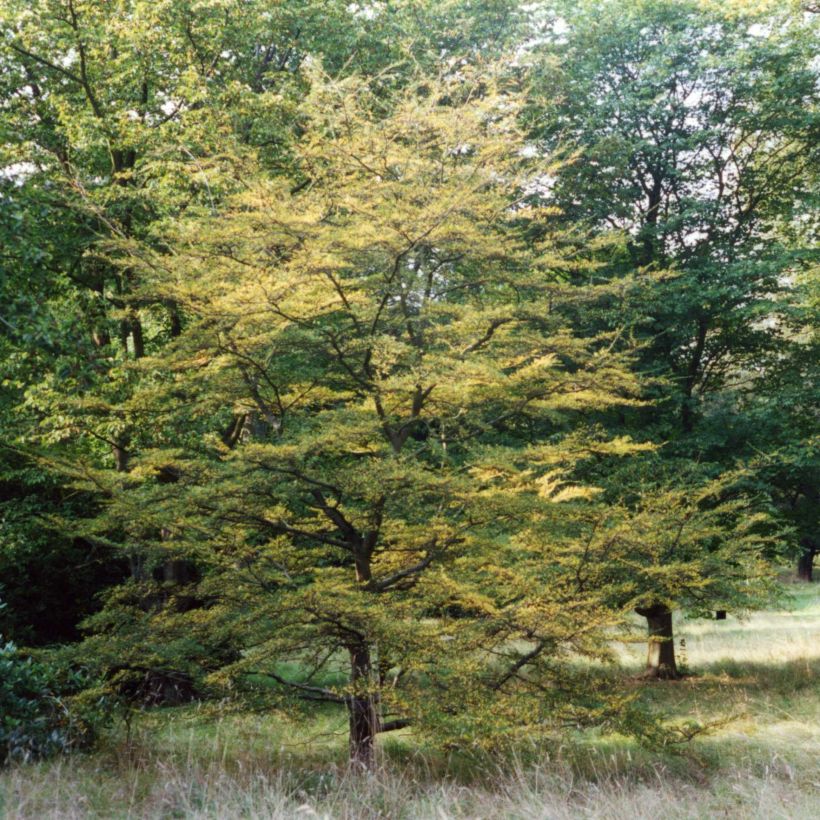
[764,763]
[157,789]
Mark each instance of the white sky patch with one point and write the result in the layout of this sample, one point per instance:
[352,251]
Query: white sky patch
[369,11]
[68,59]
[460,150]
[541,186]
[560,26]
[18,172]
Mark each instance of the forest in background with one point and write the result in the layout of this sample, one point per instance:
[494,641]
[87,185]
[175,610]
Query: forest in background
[398,361]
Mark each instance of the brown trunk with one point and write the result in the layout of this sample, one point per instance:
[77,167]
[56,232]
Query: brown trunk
[137,337]
[178,572]
[660,660]
[256,427]
[136,565]
[120,457]
[99,332]
[650,228]
[361,559]
[362,708]
[100,337]
[805,563]
[176,322]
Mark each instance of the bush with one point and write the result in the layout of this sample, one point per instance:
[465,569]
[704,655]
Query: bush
[39,712]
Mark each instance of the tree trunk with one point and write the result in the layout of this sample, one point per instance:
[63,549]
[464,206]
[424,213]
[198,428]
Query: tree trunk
[120,452]
[175,322]
[362,708]
[178,572]
[805,563]
[137,337]
[660,660]
[692,375]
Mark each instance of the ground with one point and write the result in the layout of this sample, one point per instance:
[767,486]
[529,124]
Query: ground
[760,675]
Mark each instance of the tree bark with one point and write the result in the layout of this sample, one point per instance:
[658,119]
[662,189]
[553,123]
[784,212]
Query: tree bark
[137,337]
[660,660]
[178,572]
[692,373]
[175,322]
[805,563]
[362,708]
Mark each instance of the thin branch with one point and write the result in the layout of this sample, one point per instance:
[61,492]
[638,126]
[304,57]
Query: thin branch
[317,692]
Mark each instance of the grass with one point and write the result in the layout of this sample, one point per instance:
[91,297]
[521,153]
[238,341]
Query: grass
[765,763]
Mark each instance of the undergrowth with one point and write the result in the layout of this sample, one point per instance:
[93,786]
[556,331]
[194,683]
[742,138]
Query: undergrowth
[756,680]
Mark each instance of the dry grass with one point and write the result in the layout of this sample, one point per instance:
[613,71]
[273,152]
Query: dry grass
[764,764]
[158,790]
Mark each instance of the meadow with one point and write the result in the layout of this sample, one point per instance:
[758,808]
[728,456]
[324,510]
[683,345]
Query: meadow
[756,679]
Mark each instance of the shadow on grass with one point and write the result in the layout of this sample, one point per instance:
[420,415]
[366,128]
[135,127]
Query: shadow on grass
[788,676]
[307,753]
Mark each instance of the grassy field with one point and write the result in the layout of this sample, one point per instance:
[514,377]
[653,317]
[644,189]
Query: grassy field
[763,763]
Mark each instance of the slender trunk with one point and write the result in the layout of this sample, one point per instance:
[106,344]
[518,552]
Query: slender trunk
[136,566]
[137,337]
[175,322]
[178,572]
[362,708]
[361,559]
[692,376]
[99,332]
[660,660]
[805,563]
[120,456]
[650,229]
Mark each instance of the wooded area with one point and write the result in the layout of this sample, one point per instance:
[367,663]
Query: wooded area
[391,358]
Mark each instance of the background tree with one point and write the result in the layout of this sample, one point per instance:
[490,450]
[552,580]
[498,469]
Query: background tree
[118,117]
[693,131]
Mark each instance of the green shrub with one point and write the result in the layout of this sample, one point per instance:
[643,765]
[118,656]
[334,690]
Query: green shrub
[40,714]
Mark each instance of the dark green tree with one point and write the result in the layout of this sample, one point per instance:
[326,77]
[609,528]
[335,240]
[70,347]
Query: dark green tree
[693,135]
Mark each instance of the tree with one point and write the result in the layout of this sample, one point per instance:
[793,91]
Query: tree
[780,424]
[363,363]
[693,130]
[691,545]
[116,118]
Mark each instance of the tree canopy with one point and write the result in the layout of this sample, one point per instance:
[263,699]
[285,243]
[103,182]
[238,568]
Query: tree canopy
[393,355]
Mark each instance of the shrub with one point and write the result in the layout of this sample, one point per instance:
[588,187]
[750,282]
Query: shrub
[40,714]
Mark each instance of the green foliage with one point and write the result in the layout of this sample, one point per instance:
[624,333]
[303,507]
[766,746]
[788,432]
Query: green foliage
[363,364]
[693,127]
[401,348]
[37,715]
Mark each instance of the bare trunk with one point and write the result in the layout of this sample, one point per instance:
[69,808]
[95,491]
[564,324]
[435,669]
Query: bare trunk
[692,375]
[99,332]
[178,572]
[660,660]
[362,708]
[137,337]
[175,322]
[120,456]
[805,563]
[136,565]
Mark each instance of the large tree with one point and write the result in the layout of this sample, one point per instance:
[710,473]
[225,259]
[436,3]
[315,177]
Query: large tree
[692,132]
[117,116]
[357,410]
